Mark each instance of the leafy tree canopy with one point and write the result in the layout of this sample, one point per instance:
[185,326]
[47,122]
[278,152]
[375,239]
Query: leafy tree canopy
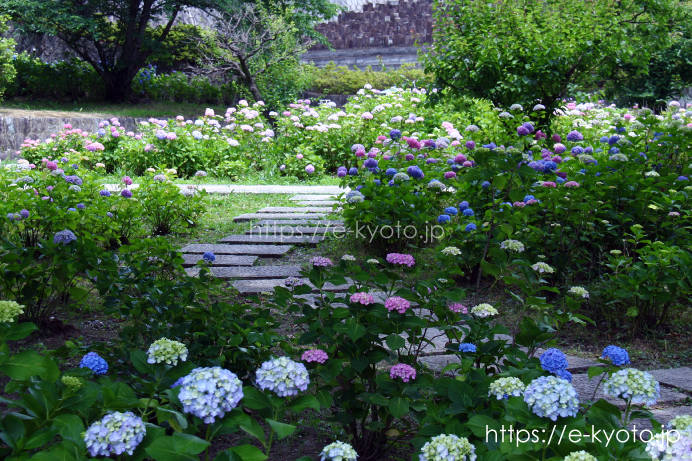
[534,51]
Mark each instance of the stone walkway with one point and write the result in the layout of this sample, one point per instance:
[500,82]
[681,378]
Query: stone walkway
[325,192]
[277,230]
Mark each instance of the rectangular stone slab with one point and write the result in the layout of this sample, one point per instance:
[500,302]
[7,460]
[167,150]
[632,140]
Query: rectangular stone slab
[263,251]
[311,198]
[221,260]
[254,287]
[288,230]
[318,203]
[675,377]
[255,216]
[272,240]
[296,209]
[256,272]
[585,389]
[299,222]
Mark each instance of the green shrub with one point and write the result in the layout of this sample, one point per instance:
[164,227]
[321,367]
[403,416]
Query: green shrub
[334,79]
[7,69]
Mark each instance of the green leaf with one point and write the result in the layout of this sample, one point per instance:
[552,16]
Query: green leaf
[178,447]
[354,330]
[303,402]
[255,399]
[324,398]
[595,371]
[491,269]
[282,430]
[481,424]
[40,438]
[398,407]
[23,366]
[139,361]
[248,453]
[395,342]
[253,428]
[20,331]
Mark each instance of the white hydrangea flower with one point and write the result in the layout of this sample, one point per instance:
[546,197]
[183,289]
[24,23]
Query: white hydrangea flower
[681,423]
[448,447]
[348,258]
[484,310]
[451,251]
[167,351]
[651,174]
[210,392]
[552,397]
[670,446]
[116,433]
[503,388]
[512,245]
[580,456]
[338,451]
[372,261]
[637,385]
[579,291]
[543,267]
[283,376]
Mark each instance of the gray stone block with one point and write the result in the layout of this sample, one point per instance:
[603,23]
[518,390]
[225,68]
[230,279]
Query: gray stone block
[663,416]
[253,287]
[675,377]
[296,231]
[312,198]
[585,388]
[296,209]
[256,272]
[263,251]
[437,363]
[272,240]
[318,203]
[255,216]
[221,260]
[299,222]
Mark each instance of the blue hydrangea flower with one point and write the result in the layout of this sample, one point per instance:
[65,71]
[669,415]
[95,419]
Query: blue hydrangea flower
[338,451]
[683,178]
[630,383]
[95,363]
[529,197]
[575,136]
[613,140]
[64,236]
[564,374]
[71,209]
[101,133]
[463,205]
[283,376]
[450,210]
[179,382]
[588,150]
[613,151]
[370,163]
[468,212]
[116,433]
[577,150]
[74,180]
[415,172]
[104,193]
[467,347]
[550,165]
[490,146]
[443,218]
[470,227]
[485,184]
[553,360]
[559,180]
[209,393]
[503,388]
[81,206]
[390,171]
[447,448]
[353,171]
[604,139]
[617,355]
[209,256]
[552,397]
[395,134]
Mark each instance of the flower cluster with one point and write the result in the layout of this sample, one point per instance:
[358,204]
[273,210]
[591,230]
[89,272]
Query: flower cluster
[637,385]
[362,298]
[483,310]
[9,310]
[451,251]
[551,397]
[320,261]
[448,447]
[503,388]
[403,259]
[210,392]
[617,355]
[512,245]
[116,433]
[579,291]
[314,355]
[395,303]
[95,363]
[64,237]
[580,456]
[403,371]
[553,361]
[467,347]
[670,446]
[681,423]
[167,351]
[71,382]
[209,256]
[542,267]
[283,376]
[338,451]
[458,308]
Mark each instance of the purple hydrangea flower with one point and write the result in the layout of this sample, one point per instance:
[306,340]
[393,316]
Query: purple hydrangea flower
[105,193]
[127,193]
[575,136]
[64,237]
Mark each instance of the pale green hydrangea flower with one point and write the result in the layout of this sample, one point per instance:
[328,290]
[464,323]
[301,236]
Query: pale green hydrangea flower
[167,351]
[503,388]
[543,267]
[448,447]
[637,385]
[451,251]
[681,423]
[338,451]
[512,245]
[71,382]
[579,291]
[580,456]
[484,310]
[9,310]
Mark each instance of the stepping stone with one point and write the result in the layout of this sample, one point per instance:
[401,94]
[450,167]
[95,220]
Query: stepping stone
[298,222]
[263,251]
[319,203]
[272,240]
[256,272]
[254,216]
[436,347]
[585,389]
[312,198]
[675,377]
[437,363]
[663,416]
[221,260]
[311,231]
[254,287]
[295,209]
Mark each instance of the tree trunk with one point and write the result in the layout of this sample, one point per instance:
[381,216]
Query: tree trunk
[119,86]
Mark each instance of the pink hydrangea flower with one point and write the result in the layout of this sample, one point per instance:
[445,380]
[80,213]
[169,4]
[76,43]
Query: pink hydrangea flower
[467,164]
[52,166]
[362,298]
[360,153]
[314,355]
[519,204]
[321,261]
[403,259]
[209,112]
[171,136]
[450,175]
[127,181]
[299,156]
[403,371]
[571,184]
[531,202]
[458,308]
[674,214]
[549,184]
[366,116]
[460,158]
[398,304]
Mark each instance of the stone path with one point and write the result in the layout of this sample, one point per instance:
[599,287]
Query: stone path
[326,192]
[275,232]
